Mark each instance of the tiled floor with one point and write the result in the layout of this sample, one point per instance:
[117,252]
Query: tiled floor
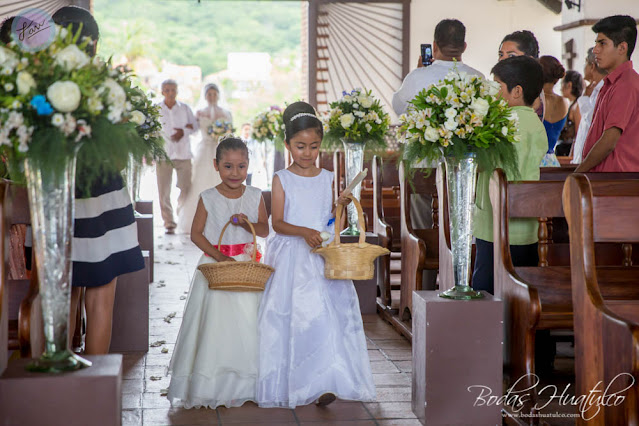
[145,379]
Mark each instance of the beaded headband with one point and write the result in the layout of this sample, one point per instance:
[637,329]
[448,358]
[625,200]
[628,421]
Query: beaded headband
[302,114]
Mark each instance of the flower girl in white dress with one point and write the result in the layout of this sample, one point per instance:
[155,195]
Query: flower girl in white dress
[216,355]
[311,336]
[204,176]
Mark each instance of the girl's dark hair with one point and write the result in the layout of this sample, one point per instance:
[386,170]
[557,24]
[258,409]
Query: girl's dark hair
[553,70]
[295,123]
[231,143]
[75,16]
[577,82]
[5,31]
[526,42]
[521,71]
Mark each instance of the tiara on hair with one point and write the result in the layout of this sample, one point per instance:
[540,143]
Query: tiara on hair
[302,114]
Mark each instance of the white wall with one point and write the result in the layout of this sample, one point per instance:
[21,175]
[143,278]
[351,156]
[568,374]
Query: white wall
[487,22]
[583,36]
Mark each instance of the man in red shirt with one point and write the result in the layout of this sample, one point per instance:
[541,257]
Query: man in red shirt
[612,144]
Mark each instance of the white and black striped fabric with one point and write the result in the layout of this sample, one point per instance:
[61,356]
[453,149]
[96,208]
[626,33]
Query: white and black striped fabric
[105,240]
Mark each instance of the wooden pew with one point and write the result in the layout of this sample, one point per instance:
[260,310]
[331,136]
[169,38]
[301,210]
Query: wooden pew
[387,223]
[535,298]
[606,323]
[23,309]
[420,249]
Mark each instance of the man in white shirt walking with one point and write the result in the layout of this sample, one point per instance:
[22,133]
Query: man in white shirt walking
[178,123]
[448,46]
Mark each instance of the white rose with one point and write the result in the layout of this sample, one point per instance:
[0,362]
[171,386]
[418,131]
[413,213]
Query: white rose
[8,58]
[450,113]
[346,120]
[116,94]
[431,134]
[71,57]
[365,101]
[64,96]
[138,118]
[492,87]
[450,124]
[25,82]
[480,106]
[504,131]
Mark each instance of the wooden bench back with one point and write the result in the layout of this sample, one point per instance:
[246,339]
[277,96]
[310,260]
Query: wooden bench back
[23,305]
[386,200]
[606,331]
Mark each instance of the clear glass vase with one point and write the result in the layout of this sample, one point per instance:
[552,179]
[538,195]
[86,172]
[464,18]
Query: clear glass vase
[133,177]
[51,200]
[461,178]
[353,162]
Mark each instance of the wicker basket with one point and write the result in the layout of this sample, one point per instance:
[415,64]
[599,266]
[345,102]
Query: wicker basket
[352,261]
[237,276]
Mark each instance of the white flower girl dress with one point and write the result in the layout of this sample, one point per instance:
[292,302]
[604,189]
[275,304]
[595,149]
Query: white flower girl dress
[311,335]
[215,358]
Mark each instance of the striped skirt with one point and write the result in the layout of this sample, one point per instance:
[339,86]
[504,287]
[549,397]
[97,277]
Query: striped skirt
[105,240]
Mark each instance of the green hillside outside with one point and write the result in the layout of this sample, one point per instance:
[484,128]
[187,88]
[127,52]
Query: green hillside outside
[184,32]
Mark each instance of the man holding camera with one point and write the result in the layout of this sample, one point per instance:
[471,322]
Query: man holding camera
[448,46]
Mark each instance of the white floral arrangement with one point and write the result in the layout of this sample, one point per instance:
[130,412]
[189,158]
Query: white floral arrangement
[460,114]
[357,117]
[59,101]
[268,125]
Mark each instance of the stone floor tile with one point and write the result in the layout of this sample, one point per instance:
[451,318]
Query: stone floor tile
[376,355]
[339,410]
[158,360]
[404,366]
[180,416]
[135,386]
[383,367]
[391,394]
[131,401]
[132,417]
[155,400]
[342,423]
[393,344]
[250,412]
[399,422]
[390,410]
[156,383]
[398,354]
[133,372]
[397,379]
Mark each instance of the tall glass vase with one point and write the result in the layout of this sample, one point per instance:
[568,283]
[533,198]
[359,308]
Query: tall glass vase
[133,176]
[353,162]
[461,178]
[51,199]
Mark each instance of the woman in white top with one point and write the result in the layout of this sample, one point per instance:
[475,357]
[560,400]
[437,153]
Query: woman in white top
[204,175]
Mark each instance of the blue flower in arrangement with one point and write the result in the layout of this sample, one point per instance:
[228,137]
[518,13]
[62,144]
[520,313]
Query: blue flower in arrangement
[39,102]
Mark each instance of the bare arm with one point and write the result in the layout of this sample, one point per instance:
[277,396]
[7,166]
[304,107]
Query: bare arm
[198,238]
[261,226]
[602,148]
[311,236]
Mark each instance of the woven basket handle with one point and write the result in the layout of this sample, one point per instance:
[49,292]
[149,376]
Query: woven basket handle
[219,243]
[360,219]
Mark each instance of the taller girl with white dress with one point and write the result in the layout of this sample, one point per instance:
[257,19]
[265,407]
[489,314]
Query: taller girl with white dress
[311,336]
[204,175]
